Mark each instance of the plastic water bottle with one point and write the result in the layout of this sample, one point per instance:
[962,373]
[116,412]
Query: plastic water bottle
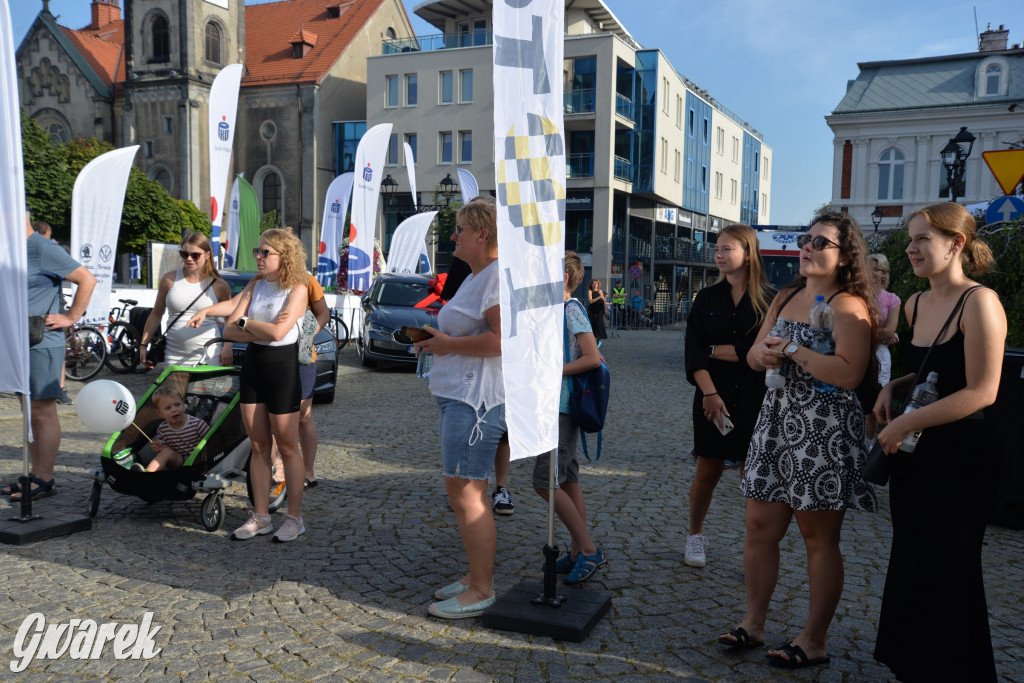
[924,393]
[775,378]
[822,320]
[423,364]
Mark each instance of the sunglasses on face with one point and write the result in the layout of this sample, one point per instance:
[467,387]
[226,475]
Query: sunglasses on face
[194,255]
[818,242]
[459,229]
[262,253]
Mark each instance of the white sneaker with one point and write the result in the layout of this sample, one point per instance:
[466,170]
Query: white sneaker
[694,556]
[290,529]
[255,525]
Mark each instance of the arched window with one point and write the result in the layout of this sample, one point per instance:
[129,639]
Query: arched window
[890,174]
[57,132]
[161,40]
[162,176]
[390,34]
[993,79]
[212,43]
[272,193]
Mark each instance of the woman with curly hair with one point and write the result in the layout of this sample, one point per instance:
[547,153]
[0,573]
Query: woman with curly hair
[807,453]
[267,317]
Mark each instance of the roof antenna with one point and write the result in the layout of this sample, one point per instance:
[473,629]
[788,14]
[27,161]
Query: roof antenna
[977,34]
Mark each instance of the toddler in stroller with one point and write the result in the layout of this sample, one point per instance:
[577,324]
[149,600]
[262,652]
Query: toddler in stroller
[220,457]
[177,435]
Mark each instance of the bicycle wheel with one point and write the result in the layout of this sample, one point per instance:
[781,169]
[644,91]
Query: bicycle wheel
[85,351]
[339,329]
[124,347]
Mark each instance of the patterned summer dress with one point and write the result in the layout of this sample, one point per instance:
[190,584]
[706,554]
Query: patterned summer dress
[808,446]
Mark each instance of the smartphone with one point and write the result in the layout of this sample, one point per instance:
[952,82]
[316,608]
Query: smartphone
[415,334]
[726,426]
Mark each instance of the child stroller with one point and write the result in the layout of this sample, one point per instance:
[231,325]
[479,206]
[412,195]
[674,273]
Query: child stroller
[218,460]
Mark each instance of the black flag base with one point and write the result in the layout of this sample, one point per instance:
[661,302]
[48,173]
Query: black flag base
[538,610]
[28,528]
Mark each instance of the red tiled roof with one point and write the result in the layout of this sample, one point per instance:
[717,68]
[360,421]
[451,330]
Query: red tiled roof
[303,36]
[102,48]
[269,56]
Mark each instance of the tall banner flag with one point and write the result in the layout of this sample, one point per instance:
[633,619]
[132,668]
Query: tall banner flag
[221,134]
[410,168]
[13,256]
[407,244]
[365,193]
[468,185]
[529,146]
[332,228]
[134,267]
[249,226]
[96,203]
[233,228]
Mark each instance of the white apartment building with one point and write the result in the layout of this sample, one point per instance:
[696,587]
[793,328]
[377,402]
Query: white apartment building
[897,116]
[641,162]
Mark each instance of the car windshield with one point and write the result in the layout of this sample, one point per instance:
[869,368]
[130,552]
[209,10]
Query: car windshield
[404,294]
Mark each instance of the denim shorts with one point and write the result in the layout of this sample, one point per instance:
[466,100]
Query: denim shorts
[44,372]
[469,438]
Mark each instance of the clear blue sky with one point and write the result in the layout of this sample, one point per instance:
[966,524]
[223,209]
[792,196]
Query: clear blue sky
[782,65]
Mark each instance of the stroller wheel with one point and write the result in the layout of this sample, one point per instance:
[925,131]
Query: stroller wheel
[213,511]
[94,498]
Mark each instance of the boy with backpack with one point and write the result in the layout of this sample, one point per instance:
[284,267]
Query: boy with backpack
[584,557]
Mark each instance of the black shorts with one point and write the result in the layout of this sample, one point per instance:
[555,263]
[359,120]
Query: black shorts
[270,375]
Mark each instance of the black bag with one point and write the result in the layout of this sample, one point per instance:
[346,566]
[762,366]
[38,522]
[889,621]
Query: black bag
[876,466]
[158,346]
[36,329]
[588,400]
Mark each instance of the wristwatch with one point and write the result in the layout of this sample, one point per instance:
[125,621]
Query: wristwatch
[241,323]
[711,351]
[790,349]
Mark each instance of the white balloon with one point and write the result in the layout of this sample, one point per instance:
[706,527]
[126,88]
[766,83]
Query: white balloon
[105,406]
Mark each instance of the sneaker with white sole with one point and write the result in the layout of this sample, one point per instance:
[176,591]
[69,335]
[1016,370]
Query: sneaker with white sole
[254,526]
[290,529]
[694,556]
[501,501]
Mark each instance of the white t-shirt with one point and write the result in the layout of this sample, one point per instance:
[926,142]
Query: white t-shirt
[474,380]
[268,300]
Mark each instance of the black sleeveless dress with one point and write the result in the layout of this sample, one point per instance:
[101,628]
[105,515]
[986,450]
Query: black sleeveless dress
[934,620]
[595,311]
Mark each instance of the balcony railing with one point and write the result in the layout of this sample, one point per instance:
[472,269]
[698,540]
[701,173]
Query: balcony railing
[623,170]
[578,102]
[439,41]
[623,107]
[579,165]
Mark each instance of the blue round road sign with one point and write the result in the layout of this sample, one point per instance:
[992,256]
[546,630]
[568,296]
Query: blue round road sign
[1004,209]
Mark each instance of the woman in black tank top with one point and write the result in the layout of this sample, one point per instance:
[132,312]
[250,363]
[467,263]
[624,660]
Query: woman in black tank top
[934,587]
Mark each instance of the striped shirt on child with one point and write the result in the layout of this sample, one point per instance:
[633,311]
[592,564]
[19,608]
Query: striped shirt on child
[185,439]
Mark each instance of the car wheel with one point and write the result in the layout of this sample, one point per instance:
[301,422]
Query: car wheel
[327,396]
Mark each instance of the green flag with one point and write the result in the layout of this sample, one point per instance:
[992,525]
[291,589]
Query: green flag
[249,223]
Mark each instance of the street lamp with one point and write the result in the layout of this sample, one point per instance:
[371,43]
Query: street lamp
[954,158]
[388,187]
[876,217]
[448,188]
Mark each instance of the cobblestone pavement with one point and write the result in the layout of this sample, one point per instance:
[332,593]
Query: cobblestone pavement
[348,600]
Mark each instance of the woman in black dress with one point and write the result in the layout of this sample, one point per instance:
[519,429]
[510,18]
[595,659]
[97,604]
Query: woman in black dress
[596,309]
[720,330]
[934,620]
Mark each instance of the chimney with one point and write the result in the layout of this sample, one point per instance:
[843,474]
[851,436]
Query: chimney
[993,40]
[105,12]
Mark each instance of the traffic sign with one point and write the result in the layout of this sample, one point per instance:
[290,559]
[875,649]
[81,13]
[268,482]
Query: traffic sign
[1004,209]
[1007,165]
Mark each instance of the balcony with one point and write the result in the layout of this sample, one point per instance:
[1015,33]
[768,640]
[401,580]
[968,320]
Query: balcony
[439,41]
[579,165]
[623,169]
[624,107]
[578,102]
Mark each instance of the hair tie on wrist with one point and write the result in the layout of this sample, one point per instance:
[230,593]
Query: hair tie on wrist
[711,394]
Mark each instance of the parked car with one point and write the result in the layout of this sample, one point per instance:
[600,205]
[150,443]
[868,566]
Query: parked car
[326,347]
[389,305]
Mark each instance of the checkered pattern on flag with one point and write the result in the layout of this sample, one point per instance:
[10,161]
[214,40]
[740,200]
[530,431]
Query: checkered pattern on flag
[530,180]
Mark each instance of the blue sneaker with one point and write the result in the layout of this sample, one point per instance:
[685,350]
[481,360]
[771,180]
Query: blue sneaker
[585,567]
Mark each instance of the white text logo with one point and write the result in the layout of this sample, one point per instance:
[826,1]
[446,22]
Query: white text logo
[82,639]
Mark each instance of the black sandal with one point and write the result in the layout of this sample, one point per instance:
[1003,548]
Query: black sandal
[43,489]
[742,639]
[796,658]
[13,487]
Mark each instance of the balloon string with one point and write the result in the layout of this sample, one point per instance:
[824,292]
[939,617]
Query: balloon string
[142,432]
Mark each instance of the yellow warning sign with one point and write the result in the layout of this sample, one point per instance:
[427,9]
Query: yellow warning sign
[1007,165]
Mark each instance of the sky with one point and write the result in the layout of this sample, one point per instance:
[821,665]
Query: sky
[781,65]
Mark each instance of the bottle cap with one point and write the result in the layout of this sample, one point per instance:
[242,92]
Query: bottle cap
[819,297]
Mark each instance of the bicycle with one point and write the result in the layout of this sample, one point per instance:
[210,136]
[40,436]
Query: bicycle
[336,326]
[85,351]
[123,339]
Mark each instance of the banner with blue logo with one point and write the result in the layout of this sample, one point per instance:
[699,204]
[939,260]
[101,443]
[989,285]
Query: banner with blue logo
[365,192]
[221,134]
[233,228]
[332,228]
[134,267]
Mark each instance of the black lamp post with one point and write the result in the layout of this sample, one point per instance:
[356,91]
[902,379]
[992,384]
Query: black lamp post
[388,187]
[448,188]
[876,217]
[954,158]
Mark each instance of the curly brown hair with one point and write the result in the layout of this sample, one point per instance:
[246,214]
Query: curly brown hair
[293,257]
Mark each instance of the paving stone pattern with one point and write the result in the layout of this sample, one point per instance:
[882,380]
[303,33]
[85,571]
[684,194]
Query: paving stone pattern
[348,600]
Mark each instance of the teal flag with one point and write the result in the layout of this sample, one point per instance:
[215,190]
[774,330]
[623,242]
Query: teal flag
[249,222]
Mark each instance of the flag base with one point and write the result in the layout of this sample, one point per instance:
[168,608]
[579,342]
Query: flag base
[24,530]
[525,609]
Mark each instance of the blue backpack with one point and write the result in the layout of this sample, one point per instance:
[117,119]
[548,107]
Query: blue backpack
[588,397]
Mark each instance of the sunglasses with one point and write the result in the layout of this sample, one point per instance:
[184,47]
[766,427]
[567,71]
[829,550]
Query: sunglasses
[262,253]
[459,229]
[818,242]
[194,255]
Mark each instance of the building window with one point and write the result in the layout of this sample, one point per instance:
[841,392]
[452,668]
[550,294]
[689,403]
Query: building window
[735,150]
[392,157]
[411,90]
[720,141]
[691,125]
[733,192]
[472,33]
[466,85]
[272,193]
[665,94]
[445,87]
[890,174]
[268,129]
[147,149]
[465,146]
[703,178]
[444,147]
[391,96]
[168,125]
[764,203]
[993,79]
[764,169]
[161,40]
[757,158]
[664,155]
[57,132]
[212,43]
[390,34]
[679,112]
[707,132]
[718,185]
[677,166]
[163,177]
[410,139]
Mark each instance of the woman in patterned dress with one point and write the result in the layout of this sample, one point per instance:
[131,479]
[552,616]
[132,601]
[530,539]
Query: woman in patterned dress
[807,453]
